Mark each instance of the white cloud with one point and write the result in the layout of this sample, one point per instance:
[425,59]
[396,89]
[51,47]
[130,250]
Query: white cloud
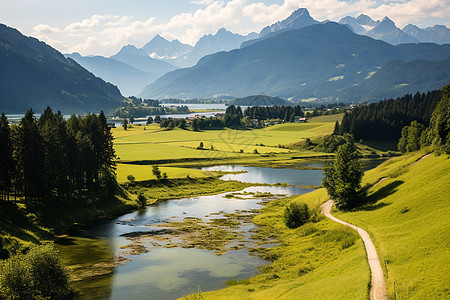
[106,34]
[86,24]
[43,28]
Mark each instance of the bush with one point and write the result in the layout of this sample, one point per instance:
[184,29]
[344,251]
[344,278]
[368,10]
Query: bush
[296,214]
[131,178]
[37,275]
[141,201]
[156,172]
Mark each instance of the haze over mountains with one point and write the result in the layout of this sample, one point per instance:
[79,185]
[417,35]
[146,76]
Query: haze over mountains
[35,75]
[357,59]
[299,64]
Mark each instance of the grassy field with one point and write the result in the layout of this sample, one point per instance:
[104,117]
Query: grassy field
[407,216]
[321,260]
[150,143]
[144,172]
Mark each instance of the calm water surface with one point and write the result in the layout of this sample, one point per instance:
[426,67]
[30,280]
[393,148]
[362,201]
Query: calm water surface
[272,176]
[169,273]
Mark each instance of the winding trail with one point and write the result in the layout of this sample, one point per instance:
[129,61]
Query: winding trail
[378,285]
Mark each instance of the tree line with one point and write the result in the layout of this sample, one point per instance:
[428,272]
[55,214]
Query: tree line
[234,117]
[384,120]
[49,156]
[437,134]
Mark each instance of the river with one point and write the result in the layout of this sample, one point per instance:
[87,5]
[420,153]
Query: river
[168,273]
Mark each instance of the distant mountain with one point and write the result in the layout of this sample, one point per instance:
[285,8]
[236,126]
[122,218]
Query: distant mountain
[321,61]
[139,59]
[438,34]
[398,78]
[223,40]
[161,48]
[33,74]
[298,19]
[260,100]
[388,32]
[130,80]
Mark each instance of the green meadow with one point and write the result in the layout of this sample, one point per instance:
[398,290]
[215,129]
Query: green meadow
[406,214]
[321,260]
[151,143]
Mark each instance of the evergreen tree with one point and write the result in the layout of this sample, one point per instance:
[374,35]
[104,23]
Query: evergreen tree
[6,161]
[30,157]
[439,131]
[336,130]
[125,124]
[343,180]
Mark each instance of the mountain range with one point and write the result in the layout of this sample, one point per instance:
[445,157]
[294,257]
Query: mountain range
[325,61]
[34,75]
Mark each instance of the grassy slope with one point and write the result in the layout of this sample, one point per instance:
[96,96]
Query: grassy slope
[321,260]
[408,220]
[407,216]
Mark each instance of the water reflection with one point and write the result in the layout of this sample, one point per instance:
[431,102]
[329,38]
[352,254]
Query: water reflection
[165,273]
[270,176]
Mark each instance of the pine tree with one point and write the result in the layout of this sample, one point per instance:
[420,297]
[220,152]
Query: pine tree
[6,161]
[343,179]
[30,157]
[336,130]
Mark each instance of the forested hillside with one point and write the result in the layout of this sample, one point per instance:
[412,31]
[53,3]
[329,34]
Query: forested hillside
[34,74]
[384,120]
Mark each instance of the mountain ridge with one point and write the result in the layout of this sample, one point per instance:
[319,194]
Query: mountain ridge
[36,75]
[293,64]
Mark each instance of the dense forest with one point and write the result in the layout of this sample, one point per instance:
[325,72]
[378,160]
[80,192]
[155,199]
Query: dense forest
[384,120]
[417,135]
[49,156]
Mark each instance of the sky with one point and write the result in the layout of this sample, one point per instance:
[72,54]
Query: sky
[103,27]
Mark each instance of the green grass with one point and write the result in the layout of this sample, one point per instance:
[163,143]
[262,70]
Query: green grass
[407,217]
[144,172]
[154,144]
[180,188]
[322,260]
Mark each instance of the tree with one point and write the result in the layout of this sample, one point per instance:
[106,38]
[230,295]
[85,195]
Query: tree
[439,132]
[200,147]
[343,179]
[411,136]
[125,124]
[157,119]
[39,274]
[296,214]
[141,201]
[6,161]
[131,179]
[336,130]
[149,120]
[156,172]
[195,125]
[30,157]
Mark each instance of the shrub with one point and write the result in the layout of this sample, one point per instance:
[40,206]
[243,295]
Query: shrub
[141,201]
[131,178]
[37,275]
[296,214]
[156,172]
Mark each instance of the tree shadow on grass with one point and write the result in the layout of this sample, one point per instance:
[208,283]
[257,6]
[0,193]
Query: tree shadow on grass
[370,202]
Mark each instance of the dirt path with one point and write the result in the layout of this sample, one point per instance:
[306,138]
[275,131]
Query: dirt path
[378,285]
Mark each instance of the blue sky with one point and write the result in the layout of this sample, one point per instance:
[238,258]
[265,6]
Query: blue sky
[104,26]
